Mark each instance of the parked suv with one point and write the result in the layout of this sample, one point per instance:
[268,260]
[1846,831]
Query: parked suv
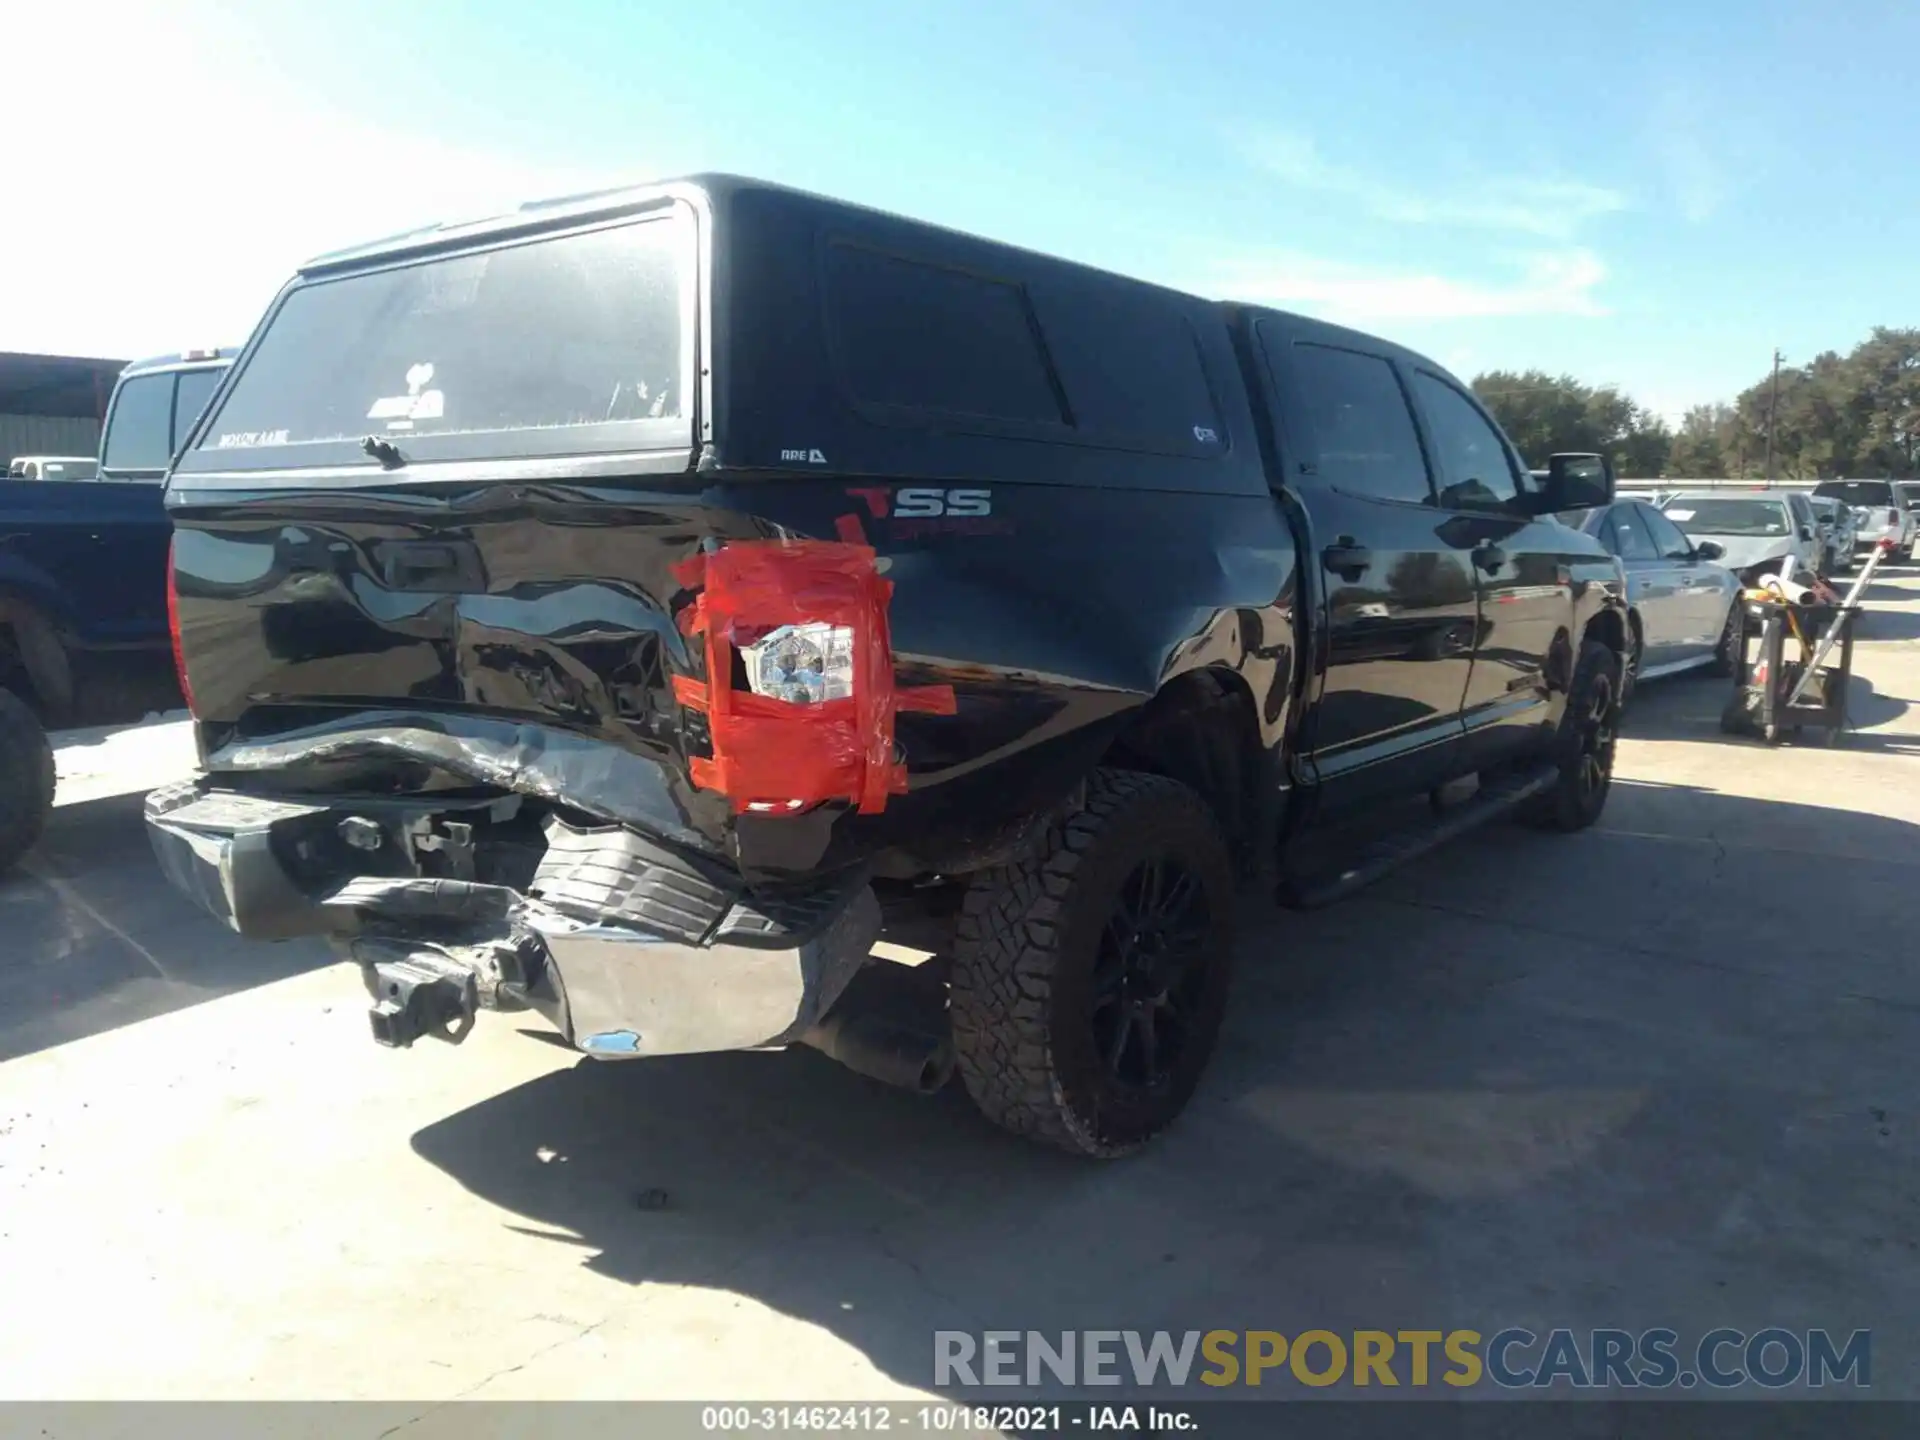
[1879,515]
[606,608]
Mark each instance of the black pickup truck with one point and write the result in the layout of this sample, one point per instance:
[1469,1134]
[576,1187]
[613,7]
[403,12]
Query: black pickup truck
[83,585]
[625,607]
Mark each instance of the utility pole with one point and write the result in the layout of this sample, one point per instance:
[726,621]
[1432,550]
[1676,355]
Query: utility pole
[1773,402]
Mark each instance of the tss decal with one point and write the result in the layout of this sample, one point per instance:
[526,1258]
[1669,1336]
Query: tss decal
[918,502]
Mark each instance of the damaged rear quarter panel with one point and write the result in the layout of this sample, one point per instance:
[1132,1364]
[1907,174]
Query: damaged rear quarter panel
[539,659]
[1053,628]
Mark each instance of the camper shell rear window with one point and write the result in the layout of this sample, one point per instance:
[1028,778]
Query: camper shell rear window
[572,342]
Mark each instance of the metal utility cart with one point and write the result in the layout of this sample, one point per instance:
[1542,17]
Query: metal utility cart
[1769,698]
[1774,695]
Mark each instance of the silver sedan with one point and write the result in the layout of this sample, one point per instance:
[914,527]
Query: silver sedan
[1680,598]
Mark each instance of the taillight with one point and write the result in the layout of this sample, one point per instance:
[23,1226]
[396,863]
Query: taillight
[1893,517]
[801,664]
[808,621]
[173,631]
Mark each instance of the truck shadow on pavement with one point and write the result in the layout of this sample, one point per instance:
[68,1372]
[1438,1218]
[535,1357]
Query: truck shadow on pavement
[1886,624]
[1633,1077]
[95,938]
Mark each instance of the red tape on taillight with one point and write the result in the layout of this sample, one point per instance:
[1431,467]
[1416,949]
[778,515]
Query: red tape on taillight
[778,754]
[173,632]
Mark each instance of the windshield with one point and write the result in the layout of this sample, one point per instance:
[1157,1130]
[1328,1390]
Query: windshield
[1857,492]
[1910,496]
[1712,515]
[563,344]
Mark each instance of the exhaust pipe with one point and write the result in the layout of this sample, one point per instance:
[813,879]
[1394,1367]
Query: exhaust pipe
[890,1024]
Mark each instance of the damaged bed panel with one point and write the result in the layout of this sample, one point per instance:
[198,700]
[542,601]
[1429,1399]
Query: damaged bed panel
[594,777]
[325,673]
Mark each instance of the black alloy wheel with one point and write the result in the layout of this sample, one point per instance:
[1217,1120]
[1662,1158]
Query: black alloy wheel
[1150,974]
[1599,731]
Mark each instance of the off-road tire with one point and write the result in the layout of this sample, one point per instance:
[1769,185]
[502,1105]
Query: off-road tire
[26,779]
[1582,752]
[1030,940]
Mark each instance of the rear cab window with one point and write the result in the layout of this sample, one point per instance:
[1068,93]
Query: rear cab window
[190,396]
[150,418]
[561,343]
[139,438]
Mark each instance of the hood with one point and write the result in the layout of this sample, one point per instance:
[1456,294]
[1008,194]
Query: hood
[1743,551]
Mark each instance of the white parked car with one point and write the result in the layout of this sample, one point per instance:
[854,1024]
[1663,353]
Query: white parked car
[53,467]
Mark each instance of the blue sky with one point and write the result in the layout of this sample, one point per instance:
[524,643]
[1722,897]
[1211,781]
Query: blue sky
[1653,195]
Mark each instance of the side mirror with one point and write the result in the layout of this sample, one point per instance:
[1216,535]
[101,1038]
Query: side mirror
[1806,532]
[1578,482]
[1709,550]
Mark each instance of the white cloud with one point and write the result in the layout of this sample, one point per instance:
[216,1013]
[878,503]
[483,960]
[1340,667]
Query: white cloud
[1558,283]
[188,182]
[1548,206]
[1695,176]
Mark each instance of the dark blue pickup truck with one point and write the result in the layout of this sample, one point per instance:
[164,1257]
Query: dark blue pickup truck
[83,585]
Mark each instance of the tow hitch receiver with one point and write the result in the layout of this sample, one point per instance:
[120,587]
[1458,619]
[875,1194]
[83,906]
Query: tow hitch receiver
[420,996]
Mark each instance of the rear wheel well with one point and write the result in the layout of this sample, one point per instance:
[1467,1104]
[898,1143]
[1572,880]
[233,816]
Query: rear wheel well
[1609,627]
[33,662]
[1200,729]
[13,670]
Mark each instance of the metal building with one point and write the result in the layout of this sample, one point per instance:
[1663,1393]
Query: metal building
[53,404]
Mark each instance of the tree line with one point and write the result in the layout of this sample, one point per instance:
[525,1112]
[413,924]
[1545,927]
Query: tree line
[1854,415]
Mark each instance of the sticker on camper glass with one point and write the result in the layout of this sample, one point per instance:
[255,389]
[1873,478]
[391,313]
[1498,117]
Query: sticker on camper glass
[247,439]
[419,403]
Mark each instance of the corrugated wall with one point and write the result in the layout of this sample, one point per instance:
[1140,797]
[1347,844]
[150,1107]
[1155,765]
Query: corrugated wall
[47,435]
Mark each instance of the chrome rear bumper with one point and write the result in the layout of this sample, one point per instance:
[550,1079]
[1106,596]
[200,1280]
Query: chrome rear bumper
[743,974]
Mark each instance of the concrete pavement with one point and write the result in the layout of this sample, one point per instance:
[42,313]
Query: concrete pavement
[1627,1078]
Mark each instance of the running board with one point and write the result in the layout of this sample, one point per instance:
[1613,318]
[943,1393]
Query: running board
[1311,892]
